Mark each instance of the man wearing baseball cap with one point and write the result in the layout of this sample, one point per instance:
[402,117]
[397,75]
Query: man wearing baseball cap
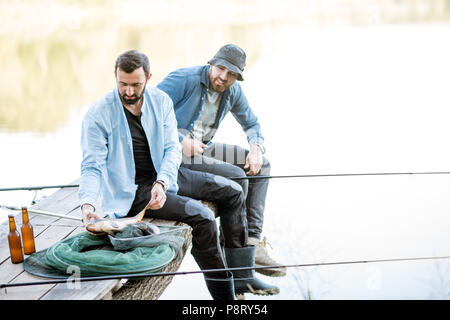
[202,96]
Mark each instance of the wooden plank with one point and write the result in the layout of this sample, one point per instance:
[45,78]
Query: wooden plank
[90,290]
[65,199]
[56,202]
[15,273]
[62,201]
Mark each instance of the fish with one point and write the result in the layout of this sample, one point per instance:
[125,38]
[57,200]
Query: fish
[111,226]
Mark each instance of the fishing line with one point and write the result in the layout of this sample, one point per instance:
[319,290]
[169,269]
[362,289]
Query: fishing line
[164,274]
[262,177]
[340,175]
[45,213]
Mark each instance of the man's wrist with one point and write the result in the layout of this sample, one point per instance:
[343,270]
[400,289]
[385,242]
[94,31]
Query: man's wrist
[162,183]
[261,147]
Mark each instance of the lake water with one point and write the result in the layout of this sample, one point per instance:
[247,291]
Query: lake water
[331,98]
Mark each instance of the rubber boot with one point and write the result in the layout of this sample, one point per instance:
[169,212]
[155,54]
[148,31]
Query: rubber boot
[220,284]
[221,288]
[245,280]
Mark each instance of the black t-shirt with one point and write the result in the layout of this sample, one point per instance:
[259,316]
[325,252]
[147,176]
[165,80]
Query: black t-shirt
[145,171]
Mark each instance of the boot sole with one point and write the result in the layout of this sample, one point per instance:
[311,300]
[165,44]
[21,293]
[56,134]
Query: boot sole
[266,292]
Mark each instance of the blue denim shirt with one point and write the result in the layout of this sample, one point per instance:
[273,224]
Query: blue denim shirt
[107,167]
[187,87]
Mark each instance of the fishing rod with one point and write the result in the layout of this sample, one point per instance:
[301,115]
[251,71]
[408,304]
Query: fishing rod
[176,273]
[339,175]
[45,213]
[265,177]
[40,187]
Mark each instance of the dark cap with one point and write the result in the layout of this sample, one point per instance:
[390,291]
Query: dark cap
[231,57]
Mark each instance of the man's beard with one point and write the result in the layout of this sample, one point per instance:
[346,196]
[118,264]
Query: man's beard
[223,87]
[135,99]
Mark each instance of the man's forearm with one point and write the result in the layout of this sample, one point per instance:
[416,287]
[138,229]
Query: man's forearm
[89,186]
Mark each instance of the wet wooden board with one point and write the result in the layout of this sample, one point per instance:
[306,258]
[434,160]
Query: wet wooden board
[49,230]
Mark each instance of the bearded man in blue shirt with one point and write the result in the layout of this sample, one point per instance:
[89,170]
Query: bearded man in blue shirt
[131,160]
[202,96]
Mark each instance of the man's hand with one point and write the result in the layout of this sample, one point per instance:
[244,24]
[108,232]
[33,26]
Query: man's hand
[192,147]
[158,197]
[254,160]
[88,213]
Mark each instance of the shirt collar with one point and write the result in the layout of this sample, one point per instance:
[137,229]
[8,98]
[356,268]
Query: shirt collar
[204,78]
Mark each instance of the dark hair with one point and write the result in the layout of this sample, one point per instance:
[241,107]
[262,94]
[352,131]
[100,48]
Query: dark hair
[132,60]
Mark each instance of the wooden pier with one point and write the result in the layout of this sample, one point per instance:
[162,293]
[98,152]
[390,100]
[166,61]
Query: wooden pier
[47,231]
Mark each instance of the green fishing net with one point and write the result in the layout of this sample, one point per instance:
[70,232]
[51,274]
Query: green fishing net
[133,250]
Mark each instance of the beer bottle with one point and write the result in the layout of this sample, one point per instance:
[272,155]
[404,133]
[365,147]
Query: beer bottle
[15,245]
[27,233]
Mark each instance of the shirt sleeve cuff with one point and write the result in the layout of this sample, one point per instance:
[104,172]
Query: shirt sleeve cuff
[164,179]
[261,146]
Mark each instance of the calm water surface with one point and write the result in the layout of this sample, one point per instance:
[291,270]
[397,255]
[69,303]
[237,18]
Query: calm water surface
[332,97]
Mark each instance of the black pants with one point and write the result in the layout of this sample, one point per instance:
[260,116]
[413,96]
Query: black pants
[185,207]
[228,161]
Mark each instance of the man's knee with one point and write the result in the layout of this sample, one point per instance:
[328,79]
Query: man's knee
[231,192]
[231,185]
[198,211]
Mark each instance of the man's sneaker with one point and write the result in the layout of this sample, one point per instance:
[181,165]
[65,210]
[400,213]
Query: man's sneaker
[262,259]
